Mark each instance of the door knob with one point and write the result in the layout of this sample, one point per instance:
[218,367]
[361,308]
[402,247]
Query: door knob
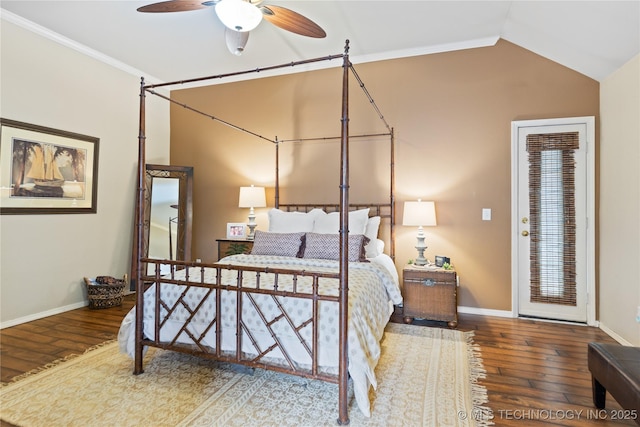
[525,233]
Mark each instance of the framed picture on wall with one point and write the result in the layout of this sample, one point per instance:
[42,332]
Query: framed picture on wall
[46,171]
[236,230]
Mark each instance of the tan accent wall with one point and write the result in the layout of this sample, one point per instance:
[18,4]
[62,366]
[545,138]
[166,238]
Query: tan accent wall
[451,113]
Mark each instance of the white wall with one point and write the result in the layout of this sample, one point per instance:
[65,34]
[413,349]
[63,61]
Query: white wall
[620,202]
[43,258]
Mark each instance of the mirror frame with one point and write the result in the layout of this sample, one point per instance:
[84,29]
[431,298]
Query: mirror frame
[185,212]
[184,174]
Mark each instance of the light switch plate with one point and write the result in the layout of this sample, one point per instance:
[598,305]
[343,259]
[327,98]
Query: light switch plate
[486,214]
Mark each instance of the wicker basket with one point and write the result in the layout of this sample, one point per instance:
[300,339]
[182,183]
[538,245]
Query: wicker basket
[105,291]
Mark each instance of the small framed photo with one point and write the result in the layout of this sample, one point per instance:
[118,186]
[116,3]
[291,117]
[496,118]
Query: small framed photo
[441,260]
[236,230]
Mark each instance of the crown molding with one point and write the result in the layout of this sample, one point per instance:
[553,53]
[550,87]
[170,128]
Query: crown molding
[356,59]
[427,50]
[72,44]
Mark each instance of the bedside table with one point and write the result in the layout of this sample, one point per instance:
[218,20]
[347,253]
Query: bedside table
[233,246]
[430,293]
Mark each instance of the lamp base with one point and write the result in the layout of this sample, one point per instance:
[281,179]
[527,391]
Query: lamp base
[420,261]
[420,246]
[252,224]
[252,232]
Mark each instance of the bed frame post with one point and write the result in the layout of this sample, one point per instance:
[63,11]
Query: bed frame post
[392,198]
[277,201]
[343,413]
[138,237]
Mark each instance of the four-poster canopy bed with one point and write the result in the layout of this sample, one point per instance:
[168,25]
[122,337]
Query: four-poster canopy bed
[312,299]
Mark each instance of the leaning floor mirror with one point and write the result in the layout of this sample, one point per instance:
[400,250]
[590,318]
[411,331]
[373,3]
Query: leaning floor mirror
[168,213]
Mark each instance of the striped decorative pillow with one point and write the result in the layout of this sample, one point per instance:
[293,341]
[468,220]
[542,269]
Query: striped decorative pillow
[327,246]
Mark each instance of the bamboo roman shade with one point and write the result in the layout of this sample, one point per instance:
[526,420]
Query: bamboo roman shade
[552,217]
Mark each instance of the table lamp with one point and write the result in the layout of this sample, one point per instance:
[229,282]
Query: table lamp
[252,197]
[419,214]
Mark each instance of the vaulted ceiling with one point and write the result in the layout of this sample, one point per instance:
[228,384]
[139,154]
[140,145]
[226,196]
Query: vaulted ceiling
[592,37]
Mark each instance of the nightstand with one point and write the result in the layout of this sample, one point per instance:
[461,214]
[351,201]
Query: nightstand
[430,293]
[228,247]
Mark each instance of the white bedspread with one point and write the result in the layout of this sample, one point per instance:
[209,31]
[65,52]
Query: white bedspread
[373,288]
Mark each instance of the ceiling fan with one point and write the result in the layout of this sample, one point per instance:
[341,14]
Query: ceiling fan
[241,16]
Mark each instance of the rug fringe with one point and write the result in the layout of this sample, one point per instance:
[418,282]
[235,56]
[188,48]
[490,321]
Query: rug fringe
[482,414]
[53,364]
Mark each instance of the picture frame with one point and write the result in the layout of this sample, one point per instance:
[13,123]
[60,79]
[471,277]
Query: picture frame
[46,170]
[236,230]
[441,260]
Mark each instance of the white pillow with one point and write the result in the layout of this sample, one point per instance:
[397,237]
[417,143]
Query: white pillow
[371,231]
[292,222]
[329,223]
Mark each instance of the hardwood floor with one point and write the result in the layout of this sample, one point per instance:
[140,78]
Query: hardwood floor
[34,344]
[537,371]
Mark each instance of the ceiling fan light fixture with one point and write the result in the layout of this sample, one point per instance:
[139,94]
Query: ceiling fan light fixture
[238,15]
[236,40]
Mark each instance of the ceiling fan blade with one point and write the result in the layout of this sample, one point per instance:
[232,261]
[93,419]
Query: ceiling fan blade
[173,6]
[292,21]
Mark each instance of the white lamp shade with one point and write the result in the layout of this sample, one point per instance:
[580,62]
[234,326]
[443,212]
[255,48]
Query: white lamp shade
[238,15]
[419,213]
[252,197]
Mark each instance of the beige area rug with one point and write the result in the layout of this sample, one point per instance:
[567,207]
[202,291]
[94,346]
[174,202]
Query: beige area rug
[426,377]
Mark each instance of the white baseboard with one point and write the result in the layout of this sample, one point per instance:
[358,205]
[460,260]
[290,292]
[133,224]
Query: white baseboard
[506,313]
[485,311]
[42,314]
[614,335]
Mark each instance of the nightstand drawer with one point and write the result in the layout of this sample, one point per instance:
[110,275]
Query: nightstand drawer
[430,294]
[428,281]
[435,277]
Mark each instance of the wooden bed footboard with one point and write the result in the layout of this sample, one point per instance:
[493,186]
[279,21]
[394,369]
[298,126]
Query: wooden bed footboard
[204,338]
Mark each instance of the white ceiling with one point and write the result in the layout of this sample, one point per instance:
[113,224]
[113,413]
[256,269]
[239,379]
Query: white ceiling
[592,37]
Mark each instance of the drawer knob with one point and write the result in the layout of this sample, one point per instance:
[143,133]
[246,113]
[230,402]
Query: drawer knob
[428,282]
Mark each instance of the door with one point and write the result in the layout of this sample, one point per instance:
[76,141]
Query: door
[553,257]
